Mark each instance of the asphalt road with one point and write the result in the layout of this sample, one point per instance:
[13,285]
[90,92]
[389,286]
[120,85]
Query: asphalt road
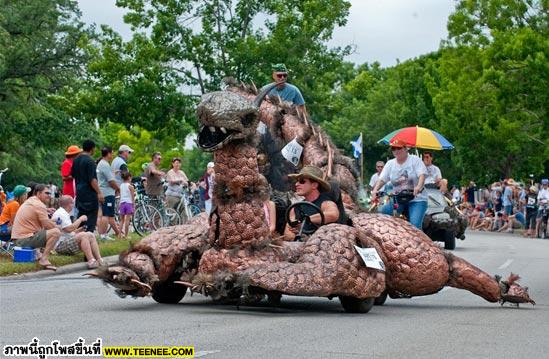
[451,324]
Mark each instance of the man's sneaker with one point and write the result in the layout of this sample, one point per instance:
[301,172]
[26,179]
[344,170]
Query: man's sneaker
[105,237]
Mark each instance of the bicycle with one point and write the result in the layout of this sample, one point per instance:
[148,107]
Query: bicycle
[170,216]
[186,208]
[146,218]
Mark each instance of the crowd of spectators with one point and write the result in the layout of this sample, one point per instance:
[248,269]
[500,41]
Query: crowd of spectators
[504,206]
[67,219]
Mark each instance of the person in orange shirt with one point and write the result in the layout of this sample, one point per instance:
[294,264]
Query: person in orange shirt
[11,208]
[2,199]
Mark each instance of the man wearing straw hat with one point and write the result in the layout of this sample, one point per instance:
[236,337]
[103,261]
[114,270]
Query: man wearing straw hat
[313,188]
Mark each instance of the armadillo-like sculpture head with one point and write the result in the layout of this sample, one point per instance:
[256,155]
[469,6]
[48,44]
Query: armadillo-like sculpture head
[225,116]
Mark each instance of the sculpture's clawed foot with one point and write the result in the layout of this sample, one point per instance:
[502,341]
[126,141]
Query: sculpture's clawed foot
[512,292]
[124,279]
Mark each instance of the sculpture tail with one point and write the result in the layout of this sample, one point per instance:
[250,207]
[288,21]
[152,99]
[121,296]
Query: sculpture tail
[464,275]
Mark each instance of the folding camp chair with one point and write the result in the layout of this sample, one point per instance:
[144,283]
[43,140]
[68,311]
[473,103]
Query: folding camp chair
[6,244]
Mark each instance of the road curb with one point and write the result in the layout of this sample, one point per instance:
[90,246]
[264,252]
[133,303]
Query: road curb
[66,269]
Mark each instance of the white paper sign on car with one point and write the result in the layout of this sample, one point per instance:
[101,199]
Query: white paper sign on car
[292,151]
[371,258]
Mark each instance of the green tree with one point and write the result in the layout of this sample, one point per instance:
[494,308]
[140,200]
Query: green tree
[41,54]
[182,49]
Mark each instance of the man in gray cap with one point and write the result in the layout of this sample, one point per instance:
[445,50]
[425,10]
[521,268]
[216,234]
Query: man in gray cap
[120,163]
[285,90]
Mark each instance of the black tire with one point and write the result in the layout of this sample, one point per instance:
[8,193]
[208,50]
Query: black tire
[381,299]
[274,299]
[449,240]
[147,219]
[169,293]
[355,305]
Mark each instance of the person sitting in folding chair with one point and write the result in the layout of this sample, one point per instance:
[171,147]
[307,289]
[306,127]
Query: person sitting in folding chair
[8,215]
[32,227]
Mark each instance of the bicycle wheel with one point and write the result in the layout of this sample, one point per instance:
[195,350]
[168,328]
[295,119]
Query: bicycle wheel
[172,218]
[147,219]
[194,209]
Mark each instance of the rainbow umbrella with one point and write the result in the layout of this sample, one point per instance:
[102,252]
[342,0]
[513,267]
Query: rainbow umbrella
[419,137]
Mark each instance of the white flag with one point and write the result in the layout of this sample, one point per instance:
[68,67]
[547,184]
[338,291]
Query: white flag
[357,146]
[292,151]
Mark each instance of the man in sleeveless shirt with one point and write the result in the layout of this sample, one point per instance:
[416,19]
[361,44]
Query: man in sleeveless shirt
[313,188]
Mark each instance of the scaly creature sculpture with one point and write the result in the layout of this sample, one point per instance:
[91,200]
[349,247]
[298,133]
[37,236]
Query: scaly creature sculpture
[235,257]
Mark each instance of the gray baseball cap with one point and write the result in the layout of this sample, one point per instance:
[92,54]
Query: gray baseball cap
[125,148]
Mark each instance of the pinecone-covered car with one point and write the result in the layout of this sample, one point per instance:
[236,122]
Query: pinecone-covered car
[443,222]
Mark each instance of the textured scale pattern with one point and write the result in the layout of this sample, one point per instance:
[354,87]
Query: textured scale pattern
[234,244]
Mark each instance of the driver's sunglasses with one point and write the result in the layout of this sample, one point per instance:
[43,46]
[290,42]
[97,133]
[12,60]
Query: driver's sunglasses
[302,180]
[281,76]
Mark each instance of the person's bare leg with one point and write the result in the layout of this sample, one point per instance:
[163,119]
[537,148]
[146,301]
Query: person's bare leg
[114,226]
[102,225]
[94,247]
[84,244]
[52,236]
[126,224]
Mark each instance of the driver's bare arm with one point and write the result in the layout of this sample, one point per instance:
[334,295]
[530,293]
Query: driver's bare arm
[331,213]
[290,232]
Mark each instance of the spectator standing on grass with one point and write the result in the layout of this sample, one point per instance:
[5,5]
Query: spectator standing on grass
[471,192]
[207,182]
[177,182]
[120,163]
[456,194]
[153,186]
[66,170]
[543,200]
[88,193]
[73,238]
[33,228]
[109,187]
[127,203]
[531,207]
[508,196]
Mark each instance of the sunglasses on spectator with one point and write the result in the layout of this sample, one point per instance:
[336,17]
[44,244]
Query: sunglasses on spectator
[396,148]
[48,193]
[302,180]
[281,76]
[379,166]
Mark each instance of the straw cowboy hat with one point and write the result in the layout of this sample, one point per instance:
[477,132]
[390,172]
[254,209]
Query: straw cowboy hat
[73,150]
[313,173]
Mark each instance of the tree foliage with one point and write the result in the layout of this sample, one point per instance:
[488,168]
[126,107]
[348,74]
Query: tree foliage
[485,89]
[40,55]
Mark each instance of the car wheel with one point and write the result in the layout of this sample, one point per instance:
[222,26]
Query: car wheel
[355,305]
[449,240]
[169,292]
[381,299]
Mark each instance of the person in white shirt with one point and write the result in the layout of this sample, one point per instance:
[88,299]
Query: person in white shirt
[543,200]
[407,175]
[434,176]
[375,176]
[456,194]
[73,237]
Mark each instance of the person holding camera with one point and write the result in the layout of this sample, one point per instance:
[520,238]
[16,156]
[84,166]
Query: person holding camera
[406,173]
[74,237]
